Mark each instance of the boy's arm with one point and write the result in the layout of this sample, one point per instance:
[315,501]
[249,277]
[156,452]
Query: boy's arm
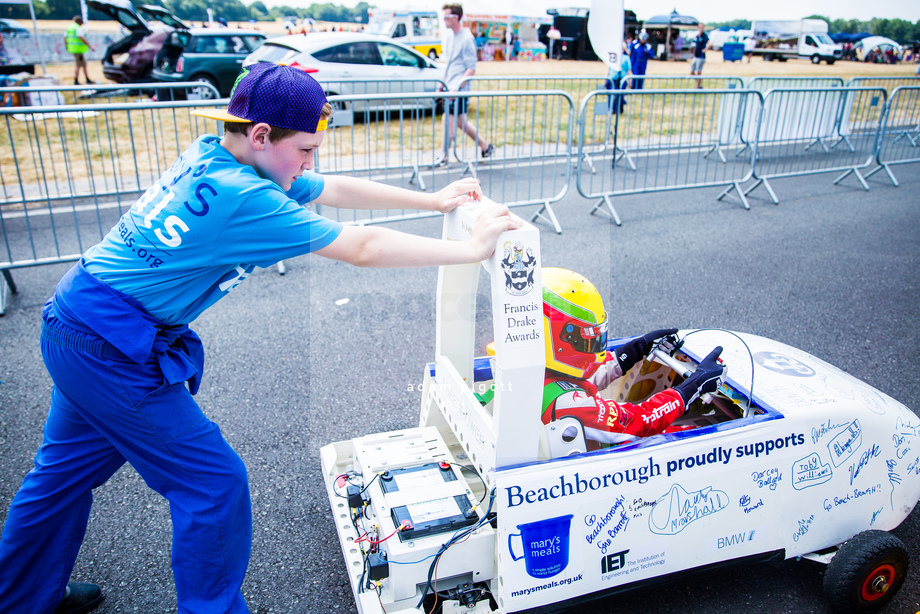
[355,193]
[377,247]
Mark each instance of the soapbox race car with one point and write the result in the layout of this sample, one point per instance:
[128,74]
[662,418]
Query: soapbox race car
[483,508]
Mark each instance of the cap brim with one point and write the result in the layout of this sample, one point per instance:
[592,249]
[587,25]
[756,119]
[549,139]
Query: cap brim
[220,115]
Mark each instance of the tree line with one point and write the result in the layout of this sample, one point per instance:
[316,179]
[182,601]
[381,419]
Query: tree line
[197,10]
[898,30]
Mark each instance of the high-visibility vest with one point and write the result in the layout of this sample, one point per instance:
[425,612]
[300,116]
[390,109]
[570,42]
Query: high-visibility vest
[74,44]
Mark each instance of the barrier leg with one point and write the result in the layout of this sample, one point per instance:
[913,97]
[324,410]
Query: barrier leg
[610,210]
[858,176]
[820,142]
[737,187]
[717,148]
[766,184]
[416,174]
[844,139]
[887,168]
[587,158]
[8,284]
[281,268]
[549,217]
[622,153]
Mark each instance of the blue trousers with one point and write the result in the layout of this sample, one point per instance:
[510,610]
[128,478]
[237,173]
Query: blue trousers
[105,410]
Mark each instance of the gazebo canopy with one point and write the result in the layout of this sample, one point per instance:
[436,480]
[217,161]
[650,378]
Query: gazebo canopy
[672,19]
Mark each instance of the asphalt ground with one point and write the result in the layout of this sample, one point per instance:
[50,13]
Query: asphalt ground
[833,270]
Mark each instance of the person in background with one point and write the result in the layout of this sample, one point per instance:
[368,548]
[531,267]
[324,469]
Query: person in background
[749,44]
[76,43]
[678,47]
[700,44]
[639,55]
[460,53]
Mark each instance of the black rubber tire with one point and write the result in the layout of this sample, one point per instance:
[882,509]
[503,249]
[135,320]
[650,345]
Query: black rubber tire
[870,555]
[829,62]
[816,59]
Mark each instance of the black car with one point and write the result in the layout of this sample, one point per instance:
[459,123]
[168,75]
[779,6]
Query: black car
[130,59]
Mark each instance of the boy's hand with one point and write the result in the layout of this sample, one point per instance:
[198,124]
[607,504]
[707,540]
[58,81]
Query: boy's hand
[456,194]
[489,224]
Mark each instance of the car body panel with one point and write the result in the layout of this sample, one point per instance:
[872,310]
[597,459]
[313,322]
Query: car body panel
[215,54]
[835,457]
[130,59]
[354,64]
[12,28]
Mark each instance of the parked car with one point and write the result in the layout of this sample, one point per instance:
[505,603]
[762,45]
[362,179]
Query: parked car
[354,64]
[206,55]
[130,59]
[12,28]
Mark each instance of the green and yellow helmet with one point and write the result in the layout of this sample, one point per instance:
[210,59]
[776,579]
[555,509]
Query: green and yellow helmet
[574,322]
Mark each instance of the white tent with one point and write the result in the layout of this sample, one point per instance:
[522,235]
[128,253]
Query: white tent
[865,45]
[34,28]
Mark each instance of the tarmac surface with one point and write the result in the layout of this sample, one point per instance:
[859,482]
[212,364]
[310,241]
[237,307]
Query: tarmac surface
[833,270]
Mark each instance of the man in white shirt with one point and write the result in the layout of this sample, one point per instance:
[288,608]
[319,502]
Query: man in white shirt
[460,54]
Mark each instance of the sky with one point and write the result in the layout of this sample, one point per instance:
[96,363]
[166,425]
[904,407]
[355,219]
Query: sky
[704,10]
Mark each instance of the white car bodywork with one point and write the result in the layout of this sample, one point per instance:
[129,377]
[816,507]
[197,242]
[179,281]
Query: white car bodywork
[814,458]
[364,65]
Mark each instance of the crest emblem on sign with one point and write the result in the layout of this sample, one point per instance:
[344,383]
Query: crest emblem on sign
[518,265]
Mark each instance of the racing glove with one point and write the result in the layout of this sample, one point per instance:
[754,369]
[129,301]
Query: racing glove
[704,380]
[633,351]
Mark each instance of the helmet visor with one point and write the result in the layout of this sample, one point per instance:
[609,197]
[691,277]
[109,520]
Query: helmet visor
[585,339]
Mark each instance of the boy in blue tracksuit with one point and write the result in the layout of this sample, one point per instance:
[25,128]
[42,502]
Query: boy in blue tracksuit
[125,364]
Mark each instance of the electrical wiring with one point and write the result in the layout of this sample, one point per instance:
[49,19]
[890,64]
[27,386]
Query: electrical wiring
[455,538]
[476,473]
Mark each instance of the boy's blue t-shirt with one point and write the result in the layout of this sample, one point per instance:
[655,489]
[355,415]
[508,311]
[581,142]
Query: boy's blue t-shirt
[200,230]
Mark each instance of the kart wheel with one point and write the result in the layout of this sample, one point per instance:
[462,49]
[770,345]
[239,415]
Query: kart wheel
[866,573]
[432,54]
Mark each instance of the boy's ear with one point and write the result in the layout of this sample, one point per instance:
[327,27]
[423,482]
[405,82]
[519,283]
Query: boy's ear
[258,136]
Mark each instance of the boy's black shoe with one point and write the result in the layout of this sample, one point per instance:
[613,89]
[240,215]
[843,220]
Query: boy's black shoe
[488,151]
[80,598]
[90,82]
[76,82]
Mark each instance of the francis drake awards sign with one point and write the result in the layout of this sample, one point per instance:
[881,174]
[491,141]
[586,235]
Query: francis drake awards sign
[523,308]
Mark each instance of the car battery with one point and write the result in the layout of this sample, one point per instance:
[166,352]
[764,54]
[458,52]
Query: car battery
[411,481]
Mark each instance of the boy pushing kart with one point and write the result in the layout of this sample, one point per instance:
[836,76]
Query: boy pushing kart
[125,364]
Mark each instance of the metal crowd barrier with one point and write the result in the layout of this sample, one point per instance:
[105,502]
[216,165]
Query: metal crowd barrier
[900,136]
[888,83]
[764,84]
[669,135]
[576,86]
[681,82]
[395,140]
[108,92]
[793,120]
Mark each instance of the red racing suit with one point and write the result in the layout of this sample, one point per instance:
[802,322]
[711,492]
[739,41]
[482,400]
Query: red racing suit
[606,422]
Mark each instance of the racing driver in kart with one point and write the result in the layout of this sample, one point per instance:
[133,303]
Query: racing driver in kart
[578,365]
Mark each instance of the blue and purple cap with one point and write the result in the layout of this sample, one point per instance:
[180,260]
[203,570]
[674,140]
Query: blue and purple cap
[279,96]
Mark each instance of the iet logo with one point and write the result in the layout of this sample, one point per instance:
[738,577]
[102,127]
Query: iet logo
[614,561]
